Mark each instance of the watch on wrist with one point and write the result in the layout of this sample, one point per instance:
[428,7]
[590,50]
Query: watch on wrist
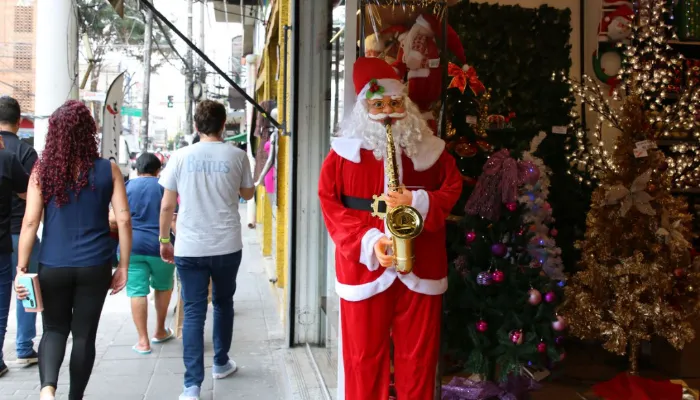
[164,240]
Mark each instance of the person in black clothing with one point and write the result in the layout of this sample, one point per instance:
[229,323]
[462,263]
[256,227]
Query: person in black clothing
[13,181]
[10,115]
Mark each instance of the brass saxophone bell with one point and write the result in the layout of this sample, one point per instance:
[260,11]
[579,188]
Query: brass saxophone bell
[405,224]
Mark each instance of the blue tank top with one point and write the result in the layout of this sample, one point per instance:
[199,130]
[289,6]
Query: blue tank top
[77,233]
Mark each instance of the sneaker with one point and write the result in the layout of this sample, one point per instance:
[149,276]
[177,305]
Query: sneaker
[221,372]
[31,359]
[3,368]
[190,393]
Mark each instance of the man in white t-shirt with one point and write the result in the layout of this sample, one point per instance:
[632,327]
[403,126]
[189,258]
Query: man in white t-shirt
[210,177]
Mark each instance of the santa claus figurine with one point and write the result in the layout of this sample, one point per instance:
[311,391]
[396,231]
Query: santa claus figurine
[616,26]
[386,44]
[376,300]
[419,60]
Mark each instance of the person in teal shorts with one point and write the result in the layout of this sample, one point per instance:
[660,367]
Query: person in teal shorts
[146,269]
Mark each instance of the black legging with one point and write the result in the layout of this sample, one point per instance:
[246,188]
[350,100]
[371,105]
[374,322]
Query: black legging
[73,298]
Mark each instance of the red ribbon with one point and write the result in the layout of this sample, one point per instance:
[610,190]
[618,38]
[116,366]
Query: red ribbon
[460,79]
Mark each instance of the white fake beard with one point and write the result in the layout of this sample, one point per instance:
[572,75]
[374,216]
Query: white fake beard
[408,131]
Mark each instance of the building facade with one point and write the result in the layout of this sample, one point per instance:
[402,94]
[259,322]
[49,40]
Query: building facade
[17,51]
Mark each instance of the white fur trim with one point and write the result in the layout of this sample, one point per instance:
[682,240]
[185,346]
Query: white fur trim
[429,150]
[432,287]
[366,290]
[419,73]
[428,116]
[348,148]
[392,87]
[422,22]
[367,255]
[421,202]
[414,56]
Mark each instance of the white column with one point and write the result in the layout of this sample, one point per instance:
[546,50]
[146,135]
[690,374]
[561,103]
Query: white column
[56,62]
[251,61]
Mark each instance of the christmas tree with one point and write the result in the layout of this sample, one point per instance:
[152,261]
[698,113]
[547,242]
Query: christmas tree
[637,279]
[503,304]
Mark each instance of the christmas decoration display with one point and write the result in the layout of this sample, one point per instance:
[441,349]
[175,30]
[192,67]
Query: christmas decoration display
[649,66]
[499,330]
[419,60]
[616,24]
[637,231]
[538,213]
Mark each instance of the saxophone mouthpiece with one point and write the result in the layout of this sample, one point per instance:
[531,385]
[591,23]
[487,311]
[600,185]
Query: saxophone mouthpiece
[388,121]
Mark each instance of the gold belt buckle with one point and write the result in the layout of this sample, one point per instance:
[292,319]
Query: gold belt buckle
[376,204]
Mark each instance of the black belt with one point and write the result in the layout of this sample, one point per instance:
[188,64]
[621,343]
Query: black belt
[358,203]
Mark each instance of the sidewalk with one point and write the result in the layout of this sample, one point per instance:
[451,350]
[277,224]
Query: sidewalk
[121,374]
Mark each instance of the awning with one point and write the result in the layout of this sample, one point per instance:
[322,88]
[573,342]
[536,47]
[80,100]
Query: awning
[240,138]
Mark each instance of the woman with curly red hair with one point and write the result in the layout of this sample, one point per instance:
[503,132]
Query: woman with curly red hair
[73,187]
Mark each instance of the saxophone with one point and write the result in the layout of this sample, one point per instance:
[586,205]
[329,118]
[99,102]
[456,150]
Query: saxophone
[404,222]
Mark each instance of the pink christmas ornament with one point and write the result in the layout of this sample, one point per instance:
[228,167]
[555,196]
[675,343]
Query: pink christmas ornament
[498,276]
[541,347]
[560,324]
[535,297]
[512,206]
[471,237]
[482,326]
[550,297]
[517,337]
[562,356]
[554,232]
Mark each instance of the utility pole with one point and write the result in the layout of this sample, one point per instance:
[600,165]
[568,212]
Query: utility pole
[147,43]
[202,68]
[189,125]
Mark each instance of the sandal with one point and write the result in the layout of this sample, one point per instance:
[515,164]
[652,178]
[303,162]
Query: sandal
[170,335]
[142,352]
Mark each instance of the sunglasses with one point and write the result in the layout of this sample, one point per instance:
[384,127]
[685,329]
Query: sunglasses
[380,104]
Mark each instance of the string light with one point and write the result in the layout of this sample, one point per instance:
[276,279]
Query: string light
[648,68]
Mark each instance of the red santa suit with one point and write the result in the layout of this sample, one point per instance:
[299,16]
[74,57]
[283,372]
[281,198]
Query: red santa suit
[419,60]
[379,303]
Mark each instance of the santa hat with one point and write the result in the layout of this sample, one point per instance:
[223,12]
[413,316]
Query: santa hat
[454,44]
[623,11]
[375,78]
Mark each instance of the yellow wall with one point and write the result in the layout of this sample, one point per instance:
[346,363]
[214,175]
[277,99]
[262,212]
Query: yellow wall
[283,156]
[274,89]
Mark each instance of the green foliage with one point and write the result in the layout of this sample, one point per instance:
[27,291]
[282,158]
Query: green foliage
[504,306]
[107,32]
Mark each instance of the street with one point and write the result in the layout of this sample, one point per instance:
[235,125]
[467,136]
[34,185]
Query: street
[120,373]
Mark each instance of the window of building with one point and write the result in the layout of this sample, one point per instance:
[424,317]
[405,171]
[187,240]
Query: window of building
[23,93]
[24,19]
[23,56]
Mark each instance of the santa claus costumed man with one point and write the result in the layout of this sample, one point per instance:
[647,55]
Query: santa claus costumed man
[376,300]
[419,60]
